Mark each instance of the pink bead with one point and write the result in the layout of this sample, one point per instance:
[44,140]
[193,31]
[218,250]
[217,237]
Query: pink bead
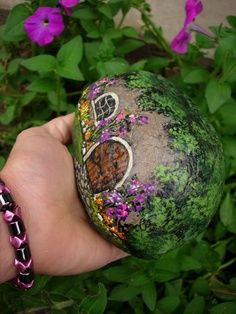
[18,241]
[22,266]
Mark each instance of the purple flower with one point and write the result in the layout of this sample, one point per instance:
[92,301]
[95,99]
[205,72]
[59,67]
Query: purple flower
[192,9]
[103,123]
[122,211]
[110,212]
[94,91]
[45,24]
[68,5]
[122,131]
[143,119]
[106,135]
[140,198]
[149,188]
[135,185]
[113,197]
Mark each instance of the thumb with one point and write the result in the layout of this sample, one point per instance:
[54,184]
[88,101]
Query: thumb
[61,128]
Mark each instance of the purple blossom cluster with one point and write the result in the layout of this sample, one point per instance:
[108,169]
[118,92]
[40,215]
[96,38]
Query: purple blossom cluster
[97,89]
[119,205]
[46,23]
[122,124]
[94,91]
[192,9]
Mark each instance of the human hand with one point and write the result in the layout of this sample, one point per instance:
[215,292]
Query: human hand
[40,174]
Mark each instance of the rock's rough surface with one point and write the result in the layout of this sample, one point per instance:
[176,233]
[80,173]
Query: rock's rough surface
[149,166]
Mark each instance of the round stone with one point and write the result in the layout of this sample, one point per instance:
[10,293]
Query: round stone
[149,166]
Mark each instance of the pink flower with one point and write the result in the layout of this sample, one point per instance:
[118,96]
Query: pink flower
[121,116]
[45,24]
[68,5]
[192,9]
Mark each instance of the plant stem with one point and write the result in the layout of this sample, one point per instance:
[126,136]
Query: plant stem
[74,93]
[122,20]
[153,29]
[233,260]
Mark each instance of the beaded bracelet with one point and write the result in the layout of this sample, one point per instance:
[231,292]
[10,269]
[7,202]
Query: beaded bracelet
[18,239]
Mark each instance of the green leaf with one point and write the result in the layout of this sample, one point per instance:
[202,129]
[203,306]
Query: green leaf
[57,100]
[194,75]
[228,213]
[189,263]
[204,41]
[14,66]
[2,162]
[196,306]
[72,51]
[168,304]
[232,20]
[139,279]
[118,274]
[42,85]
[91,51]
[27,98]
[130,31]
[8,115]
[217,93]
[156,64]
[124,293]
[106,10]
[224,308]
[149,295]
[137,66]
[95,304]
[14,30]
[70,72]
[229,145]
[129,45]
[112,67]
[84,13]
[200,287]
[41,63]
[68,57]
[226,116]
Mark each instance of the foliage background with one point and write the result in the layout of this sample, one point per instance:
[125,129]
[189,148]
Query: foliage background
[40,83]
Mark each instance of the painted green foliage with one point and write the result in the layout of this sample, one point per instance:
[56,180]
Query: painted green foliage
[191,187]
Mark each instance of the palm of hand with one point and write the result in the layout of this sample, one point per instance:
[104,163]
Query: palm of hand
[41,171]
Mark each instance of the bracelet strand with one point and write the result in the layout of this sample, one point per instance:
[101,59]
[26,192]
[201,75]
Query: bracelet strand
[18,239]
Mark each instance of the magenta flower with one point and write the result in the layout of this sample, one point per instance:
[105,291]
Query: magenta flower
[192,9]
[106,135]
[45,24]
[68,5]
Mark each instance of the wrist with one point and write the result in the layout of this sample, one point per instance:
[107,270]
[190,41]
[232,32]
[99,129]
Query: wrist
[7,255]
[15,257]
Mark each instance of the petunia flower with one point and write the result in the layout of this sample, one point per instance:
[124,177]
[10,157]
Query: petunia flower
[192,9]
[44,25]
[68,5]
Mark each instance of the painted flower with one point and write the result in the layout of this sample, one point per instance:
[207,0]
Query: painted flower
[94,91]
[143,119]
[121,116]
[44,25]
[68,5]
[106,135]
[192,9]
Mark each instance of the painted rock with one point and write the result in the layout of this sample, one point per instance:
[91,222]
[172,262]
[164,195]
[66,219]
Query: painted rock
[149,167]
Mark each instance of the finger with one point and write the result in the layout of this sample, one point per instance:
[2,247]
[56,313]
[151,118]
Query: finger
[61,128]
